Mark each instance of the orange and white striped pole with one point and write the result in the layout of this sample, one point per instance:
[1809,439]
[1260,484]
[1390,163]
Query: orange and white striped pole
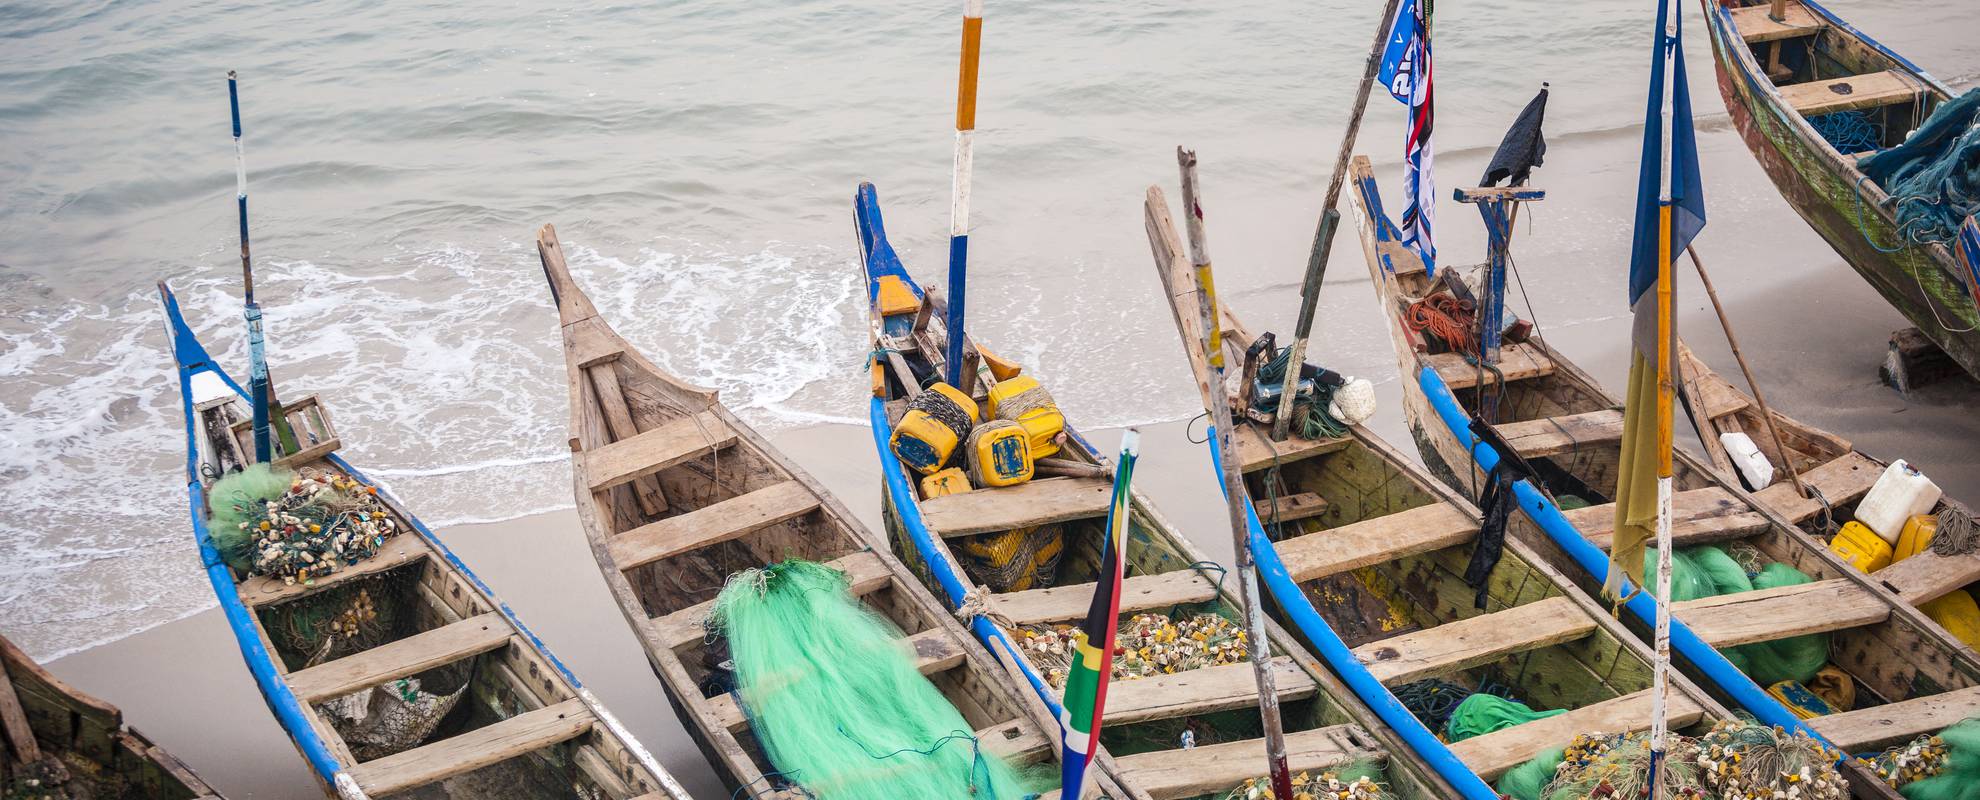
[972,45]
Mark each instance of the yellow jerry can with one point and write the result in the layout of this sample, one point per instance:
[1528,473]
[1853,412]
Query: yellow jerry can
[1916,536]
[1861,547]
[999,454]
[944,483]
[1958,614]
[1023,400]
[937,420]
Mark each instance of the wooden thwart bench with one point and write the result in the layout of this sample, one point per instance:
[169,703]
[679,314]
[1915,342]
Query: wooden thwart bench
[481,747]
[717,522]
[1896,723]
[1555,435]
[1815,98]
[409,656]
[661,447]
[1172,774]
[1698,516]
[1467,643]
[1373,541]
[1205,690]
[1756,23]
[1517,361]
[1138,593]
[1842,480]
[1491,754]
[1040,501]
[1764,615]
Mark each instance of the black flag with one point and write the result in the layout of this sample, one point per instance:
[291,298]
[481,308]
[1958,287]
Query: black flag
[1523,148]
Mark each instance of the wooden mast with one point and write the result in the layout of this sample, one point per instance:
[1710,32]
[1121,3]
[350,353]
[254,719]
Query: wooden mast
[270,423]
[972,41]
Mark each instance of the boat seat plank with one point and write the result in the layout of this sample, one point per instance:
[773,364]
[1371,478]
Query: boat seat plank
[1815,98]
[409,656]
[1755,23]
[1491,754]
[1698,516]
[618,419]
[1034,502]
[1845,479]
[1204,690]
[717,522]
[934,651]
[397,551]
[1764,615]
[1016,741]
[1929,576]
[492,744]
[1896,723]
[1549,436]
[1517,361]
[1173,774]
[1138,593]
[1257,451]
[1372,541]
[1291,508]
[865,571]
[661,447]
[1467,643]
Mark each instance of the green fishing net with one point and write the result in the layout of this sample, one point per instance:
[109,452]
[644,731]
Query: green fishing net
[1709,571]
[836,700]
[1526,781]
[1482,713]
[234,499]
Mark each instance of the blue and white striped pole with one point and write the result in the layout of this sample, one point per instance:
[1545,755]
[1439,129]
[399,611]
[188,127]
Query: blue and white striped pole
[260,389]
[959,195]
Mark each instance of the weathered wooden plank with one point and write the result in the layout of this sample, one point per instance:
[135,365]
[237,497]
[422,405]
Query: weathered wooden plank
[492,744]
[1291,508]
[935,650]
[1756,23]
[1555,435]
[1257,451]
[1843,480]
[1764,615]
[659,448]
[1816,98]
[14,721]
[409,656]
[397,551]
[1929,576]
[1491,754]
[1477,640]
[1172,774]
[1017,741]
[719,522]
[865,571]
[1201,691]
[1140,592]
[618,419]
[1698,516]
[1895,723]
[1373,541]
[1517,361]
[1035,502]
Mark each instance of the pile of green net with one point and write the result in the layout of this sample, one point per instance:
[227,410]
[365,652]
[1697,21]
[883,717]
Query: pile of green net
[1482,713]
[836,700]
[1709,571]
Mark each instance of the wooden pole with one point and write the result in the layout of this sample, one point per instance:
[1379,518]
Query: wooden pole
[1323,233]
[1725,323]
[1779,12]
[972,41]
[1234,492]
[270,424]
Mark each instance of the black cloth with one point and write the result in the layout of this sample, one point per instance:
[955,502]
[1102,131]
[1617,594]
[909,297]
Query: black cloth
[1523,148]
[1497,505]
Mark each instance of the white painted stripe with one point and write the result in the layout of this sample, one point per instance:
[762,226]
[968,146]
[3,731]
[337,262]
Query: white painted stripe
[1661,682]
[959,196]
[1074,739]
[973,9]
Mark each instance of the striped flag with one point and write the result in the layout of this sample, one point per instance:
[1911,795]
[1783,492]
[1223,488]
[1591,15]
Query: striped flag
[1670,210]
[1406,71]
[1085,699]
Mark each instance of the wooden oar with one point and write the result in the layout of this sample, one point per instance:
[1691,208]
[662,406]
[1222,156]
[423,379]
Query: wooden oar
[261,388]
[1231,466]
[1323,235]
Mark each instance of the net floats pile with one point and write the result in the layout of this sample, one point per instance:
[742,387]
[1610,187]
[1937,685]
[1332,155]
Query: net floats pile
[1148,644]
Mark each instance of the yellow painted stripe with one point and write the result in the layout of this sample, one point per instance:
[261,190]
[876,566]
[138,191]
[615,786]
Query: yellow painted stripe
[1664,341]
[1216,344]
[972,44]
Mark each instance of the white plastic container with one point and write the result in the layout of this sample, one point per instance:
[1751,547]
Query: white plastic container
[1753,464]
[1899,494]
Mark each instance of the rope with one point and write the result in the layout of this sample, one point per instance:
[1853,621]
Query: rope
[1958,533]
[1444,317]
[1849,131]
[945,410]
[1314,421]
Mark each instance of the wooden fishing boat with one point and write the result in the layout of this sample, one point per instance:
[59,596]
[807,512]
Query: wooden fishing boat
[1365,556]
[676,494]
[64,740]
[1778,77]
[402,674]
[1910,676]
[1150,722]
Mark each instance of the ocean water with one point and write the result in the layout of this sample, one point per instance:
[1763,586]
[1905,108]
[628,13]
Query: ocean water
[699,160]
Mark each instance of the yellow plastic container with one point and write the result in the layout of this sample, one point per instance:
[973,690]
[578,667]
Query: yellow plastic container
[999,454]
[1023,400]
[944,483]
[1861,547]
[922,439]
[1916,536]
[1958,614]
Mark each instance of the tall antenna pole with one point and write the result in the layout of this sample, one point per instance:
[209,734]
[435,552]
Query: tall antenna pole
[1660,689]
[1235,496]
[261,390]
[972,43]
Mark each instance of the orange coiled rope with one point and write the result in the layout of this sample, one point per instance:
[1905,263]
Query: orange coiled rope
[1446,318]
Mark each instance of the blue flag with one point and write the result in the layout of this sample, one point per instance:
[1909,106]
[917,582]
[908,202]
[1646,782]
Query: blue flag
[1687,195]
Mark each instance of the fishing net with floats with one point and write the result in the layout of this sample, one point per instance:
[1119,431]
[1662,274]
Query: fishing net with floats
[837,702]
[296,526]
[1482,713]
[1740,758]
[1146,645]
[1710,571]
[1602,766]
[1355,780]
[1942,767]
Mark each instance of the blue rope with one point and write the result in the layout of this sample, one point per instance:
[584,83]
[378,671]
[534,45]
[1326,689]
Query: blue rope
[1849,131]
[1865,232]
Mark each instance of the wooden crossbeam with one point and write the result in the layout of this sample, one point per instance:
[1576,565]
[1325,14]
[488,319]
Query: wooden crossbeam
[661,447]
[1756,23]
[1517,361]
[1929,576]
[1174,774]
[1890,724]
[1017,741]
[1843,480]
[1491,754]
[397,551]
[1482,639]
[491,744]
[1138,593]
[1815,98]
[1698,516]
[1764,615]
[1035,502]
[718,522]
[1204,690]
[1291,508]
[1372,541]
[618,420]
[1257,451]
[1549,436]
[864,570]
[409,656]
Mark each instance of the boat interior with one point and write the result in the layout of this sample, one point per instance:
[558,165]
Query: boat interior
[1823,69]
[684,495]
[490,712]
[1908,676]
